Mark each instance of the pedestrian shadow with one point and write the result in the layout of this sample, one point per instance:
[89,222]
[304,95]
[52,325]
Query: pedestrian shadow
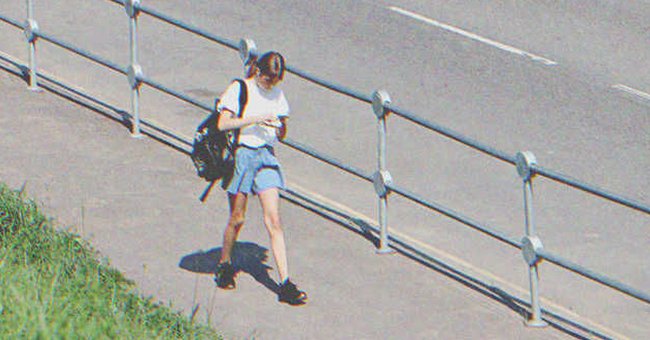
[247,257]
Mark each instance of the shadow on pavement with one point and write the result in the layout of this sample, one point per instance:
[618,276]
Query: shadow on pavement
[495,293]
[247,257]
[104,109]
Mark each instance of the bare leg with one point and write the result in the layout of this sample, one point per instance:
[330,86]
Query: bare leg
[235,223]
[270,201]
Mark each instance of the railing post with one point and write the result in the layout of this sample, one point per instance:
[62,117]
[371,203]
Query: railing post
[382,177]
[247,49]
[134,72]
[31,33]
[531,244]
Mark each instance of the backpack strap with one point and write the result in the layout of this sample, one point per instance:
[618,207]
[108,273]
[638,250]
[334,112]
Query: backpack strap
[243,97]
[213,118]
[243,101]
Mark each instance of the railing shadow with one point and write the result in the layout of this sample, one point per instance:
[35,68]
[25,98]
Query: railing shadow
[492,292]
[247,257]
[104,109]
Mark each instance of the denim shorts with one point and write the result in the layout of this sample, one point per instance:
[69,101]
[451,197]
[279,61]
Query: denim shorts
[256,169]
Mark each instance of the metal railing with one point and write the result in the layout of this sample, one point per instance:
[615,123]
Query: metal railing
[526,165]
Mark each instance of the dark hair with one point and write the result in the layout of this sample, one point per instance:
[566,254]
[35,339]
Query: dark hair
[270,64]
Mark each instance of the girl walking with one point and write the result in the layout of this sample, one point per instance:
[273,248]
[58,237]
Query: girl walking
[257,171]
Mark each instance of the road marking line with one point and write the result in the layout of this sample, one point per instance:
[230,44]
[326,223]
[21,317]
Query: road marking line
[458,261]
[632,91]
[472,36]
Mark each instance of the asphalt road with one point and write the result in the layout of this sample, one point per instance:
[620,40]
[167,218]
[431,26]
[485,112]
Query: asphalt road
[565,80]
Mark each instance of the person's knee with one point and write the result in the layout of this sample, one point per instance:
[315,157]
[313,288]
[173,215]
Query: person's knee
[237,219]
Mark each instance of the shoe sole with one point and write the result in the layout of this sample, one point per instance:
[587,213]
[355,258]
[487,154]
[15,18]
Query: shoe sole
[295,302]
[228,286]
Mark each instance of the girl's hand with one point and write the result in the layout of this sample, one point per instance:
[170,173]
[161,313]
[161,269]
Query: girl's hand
[263,118]
[281,131]
[269,120]
[272,123]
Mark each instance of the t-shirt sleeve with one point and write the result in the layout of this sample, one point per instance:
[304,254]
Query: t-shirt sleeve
[284,106]
[230,98]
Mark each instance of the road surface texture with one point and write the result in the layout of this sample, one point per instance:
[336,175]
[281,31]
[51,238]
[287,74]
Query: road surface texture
[566,81]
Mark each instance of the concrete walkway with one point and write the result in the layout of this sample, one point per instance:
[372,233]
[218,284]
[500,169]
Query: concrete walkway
[136,202]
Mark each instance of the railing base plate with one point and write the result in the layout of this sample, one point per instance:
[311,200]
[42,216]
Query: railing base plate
[536,323]
[385,251]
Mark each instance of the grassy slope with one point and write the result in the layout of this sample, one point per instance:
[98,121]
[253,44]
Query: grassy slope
[52,285]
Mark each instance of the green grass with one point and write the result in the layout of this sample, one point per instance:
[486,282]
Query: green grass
[52,285]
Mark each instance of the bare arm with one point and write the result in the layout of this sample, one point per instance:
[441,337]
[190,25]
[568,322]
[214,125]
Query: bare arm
[229,121]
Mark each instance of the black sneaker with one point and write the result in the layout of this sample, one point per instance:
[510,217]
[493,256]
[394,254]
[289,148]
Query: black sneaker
[289,293]
[224,276]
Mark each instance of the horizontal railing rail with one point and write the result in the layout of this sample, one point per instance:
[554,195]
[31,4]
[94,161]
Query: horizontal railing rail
[451,134]
[501,236]
[330,85]
[328,159]
[590,274]
[554,175]
[183,25]
[12,22]
[525,162]
[79,51]
[406,194]
[162,88]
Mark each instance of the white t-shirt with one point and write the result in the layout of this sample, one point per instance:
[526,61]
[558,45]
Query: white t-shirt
[260,102]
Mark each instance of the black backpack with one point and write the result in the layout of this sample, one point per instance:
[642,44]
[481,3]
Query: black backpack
[213,150]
